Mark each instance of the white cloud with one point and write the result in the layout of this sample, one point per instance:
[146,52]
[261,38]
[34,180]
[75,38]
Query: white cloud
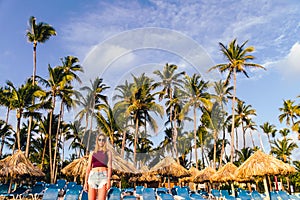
[289,66]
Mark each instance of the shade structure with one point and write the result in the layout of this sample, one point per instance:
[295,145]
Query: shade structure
[261,164]
[18,166]
[76,168]
[148,177]
[225,173]
[204,175]
[169,167]
[194,172]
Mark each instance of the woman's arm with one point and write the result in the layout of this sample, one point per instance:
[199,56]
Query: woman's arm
[87,173]
[109,169]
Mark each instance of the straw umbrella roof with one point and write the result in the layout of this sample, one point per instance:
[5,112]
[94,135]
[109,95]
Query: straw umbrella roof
[194,172]
[76,168]
[260,164]
[169,167]
[225,173]
[204,175]
[147,177]
[17,166]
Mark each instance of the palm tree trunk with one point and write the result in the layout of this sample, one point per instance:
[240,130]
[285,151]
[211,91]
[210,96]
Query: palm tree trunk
[34,63]
[28,137]
[223,148]
[244,136]
[175,142]
[195,136]
[91,126]
[215,148]
[251,135]
[233,117]
[50,138]
[3,137]
[84,132]
[56,139]
[135,139]
[43,154]
[19,114]
[123,143]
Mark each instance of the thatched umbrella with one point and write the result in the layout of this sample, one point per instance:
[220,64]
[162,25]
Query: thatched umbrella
[225,174]
[76,168]
[204,175]
[261,164]
[18,166]
[169,167]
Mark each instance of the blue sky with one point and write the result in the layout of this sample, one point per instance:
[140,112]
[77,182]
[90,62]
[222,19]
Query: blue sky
[111,38]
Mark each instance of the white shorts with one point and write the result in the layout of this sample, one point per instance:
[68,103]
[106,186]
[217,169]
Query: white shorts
[97,179]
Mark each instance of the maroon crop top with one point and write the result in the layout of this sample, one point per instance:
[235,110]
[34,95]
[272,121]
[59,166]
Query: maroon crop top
[99,159]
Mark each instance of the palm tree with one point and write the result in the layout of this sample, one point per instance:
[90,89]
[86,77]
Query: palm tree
[221,96]
[120,108]
[214,124]
[5,100]
[244,113]
[284,132]
[21,101]
[204,136]
[269,129]
[283,149]
[94,99]
[5,131]
[289,112]
[107,123]
[38,33]
[243,155]
[237,57]
[143,103]
[168,80]
[75,134]
[196,97]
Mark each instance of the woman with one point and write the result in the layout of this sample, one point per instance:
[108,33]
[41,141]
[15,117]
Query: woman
[98,173]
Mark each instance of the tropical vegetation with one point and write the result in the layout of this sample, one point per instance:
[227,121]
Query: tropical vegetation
[197,123]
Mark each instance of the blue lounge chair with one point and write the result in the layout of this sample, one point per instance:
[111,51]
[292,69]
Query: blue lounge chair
[216,193]
[244,195]
[84,195]
[36,191]
[16,194]
[70,185]
[166,196]
[225,194]
[283,195]
[114,193]
[72,194]
[256,195]
[183,192]
[139,190]
[274,195]
[195,196]
[4,189]
[161,190]
[294,197]
[51,194]
[129,197]
[149,194]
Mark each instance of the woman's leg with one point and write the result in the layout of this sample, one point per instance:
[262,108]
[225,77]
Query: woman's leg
[92,193]
[102,193]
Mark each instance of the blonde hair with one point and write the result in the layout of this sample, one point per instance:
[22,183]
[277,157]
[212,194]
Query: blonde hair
[97,146]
